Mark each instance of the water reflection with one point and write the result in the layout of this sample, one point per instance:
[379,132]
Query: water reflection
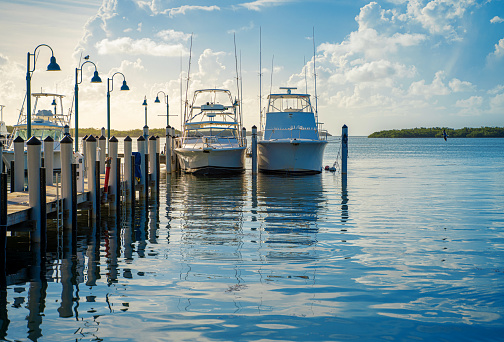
[289,209]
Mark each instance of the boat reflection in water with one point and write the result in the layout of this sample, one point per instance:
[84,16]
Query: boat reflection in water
[289,212]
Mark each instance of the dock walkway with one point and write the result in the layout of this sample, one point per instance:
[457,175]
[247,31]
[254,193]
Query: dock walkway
[18,209]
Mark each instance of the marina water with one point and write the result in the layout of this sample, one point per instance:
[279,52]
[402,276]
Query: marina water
[410,248]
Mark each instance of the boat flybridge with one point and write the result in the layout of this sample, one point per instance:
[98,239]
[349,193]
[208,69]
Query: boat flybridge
[44,123]
[212,139]
[291,141]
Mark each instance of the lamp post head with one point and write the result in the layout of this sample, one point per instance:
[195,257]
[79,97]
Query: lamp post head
[53,66]
[157,100]
[145,102]
[96,78]
[53,102]
[124,86]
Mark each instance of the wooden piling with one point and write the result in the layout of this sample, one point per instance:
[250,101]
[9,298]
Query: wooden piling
[344,149]
[141,149]
[113,180]
[102,144]
[34,147]
[19,163]
[152,162]
[168,150]
[49,159]
[254,149]
[128,177]
[92,174]
[66,179]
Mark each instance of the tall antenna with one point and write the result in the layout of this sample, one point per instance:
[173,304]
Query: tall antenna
[181,92]
[271,81]
[315,76]
[260,78]
[305,79]
[188,76]
[236,66]
[241,93]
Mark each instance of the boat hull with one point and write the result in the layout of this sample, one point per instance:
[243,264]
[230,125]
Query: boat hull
[290,156]
[211,161]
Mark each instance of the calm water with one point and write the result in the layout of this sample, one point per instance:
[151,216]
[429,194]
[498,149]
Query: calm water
[412,248]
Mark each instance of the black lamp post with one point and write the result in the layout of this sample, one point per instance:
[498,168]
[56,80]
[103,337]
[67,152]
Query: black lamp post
[95,79]
[53,66]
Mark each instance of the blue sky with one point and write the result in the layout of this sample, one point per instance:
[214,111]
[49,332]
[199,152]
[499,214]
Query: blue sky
[380,64]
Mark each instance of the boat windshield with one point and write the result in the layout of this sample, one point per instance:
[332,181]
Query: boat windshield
[289,103]
[41,134]
[208,132]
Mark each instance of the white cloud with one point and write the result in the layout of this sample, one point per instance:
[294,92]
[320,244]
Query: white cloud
[440,17]
[498,89]
[436,88]
[471,102]
[497,104]
[172,35]
[259,4]
[378,71]
[457,85]
[470,106]
[144,46]
[499,49]
[185,8]
[496,20]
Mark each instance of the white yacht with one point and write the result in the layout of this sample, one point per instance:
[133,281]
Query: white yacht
[212,140]
[49,122]
[291,141]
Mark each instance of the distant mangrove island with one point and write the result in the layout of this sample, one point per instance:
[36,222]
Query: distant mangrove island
[437,132]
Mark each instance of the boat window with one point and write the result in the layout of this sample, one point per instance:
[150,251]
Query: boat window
[206,132]
[290,104]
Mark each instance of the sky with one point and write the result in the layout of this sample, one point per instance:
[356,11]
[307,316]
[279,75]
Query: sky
[378,64]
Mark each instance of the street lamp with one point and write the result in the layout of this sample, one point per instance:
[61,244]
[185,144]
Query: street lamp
[145,105]
[167,106]
[109,89]
[95,79]
[53,66]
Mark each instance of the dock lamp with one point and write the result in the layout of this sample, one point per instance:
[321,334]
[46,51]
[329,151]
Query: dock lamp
[110,87]
[167,106]
[95,79]
[145,105]
[53,66]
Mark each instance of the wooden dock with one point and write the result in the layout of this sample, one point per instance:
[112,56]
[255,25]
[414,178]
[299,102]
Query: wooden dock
[18,209]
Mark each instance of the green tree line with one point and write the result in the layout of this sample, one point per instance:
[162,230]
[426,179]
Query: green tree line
[113,132]
[437,132]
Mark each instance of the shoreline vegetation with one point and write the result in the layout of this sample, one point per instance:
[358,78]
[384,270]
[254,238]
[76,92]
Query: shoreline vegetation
[132,132]
[437,132]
